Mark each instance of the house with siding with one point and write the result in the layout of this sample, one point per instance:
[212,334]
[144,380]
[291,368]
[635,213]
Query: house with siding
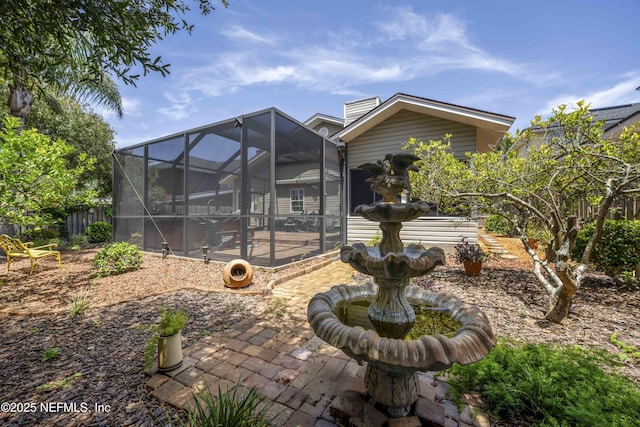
[371,128]
[615,119]
[267,188]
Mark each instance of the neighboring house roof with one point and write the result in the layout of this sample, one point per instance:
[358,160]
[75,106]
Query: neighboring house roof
[398,102]
[614,115]
[320,118]
[616,118]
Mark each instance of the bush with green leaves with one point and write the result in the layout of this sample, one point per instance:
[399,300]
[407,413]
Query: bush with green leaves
[549,385]
[117,258]
[617,252]
[99,232]
[499,225]
[230,407]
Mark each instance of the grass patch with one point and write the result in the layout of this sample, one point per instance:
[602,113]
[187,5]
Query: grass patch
[64,383]
[232,407]
[549,386]
[628,352]
[50,354]
[277,308]
[79,303]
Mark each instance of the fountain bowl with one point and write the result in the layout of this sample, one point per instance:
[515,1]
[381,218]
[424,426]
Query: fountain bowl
[470,343]
[414,260]
[392,212]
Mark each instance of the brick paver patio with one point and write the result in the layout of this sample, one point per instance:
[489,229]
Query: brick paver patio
[279,354]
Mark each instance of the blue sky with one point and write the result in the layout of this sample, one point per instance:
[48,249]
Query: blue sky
[306,57]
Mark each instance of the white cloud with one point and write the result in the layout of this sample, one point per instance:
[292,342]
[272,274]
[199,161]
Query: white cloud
[239,33]
[622,92]
[182,106]
[131,107]
[345,59]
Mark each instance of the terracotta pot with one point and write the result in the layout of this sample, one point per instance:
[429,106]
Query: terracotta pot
[237,273]
[533,243]
[170,352]
[472,268]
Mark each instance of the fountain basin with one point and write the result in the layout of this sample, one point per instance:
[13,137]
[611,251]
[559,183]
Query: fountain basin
[392,212]
[470,343]
[413,261]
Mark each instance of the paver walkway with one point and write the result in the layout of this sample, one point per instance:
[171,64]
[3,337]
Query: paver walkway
[494,247]
[278,353]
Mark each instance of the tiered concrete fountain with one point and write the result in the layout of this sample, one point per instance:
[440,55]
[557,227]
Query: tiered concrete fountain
[391,378]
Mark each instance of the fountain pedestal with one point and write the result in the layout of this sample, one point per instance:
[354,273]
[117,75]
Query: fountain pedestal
[396,392]
[391,377]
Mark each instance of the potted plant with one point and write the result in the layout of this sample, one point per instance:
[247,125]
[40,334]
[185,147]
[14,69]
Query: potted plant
[166,340]
[471,256]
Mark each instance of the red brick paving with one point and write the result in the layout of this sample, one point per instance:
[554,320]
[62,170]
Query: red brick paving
[283,359]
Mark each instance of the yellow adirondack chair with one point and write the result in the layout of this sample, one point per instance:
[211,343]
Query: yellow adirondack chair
[14,248]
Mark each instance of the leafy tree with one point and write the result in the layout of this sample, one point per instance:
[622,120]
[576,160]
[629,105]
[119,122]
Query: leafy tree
[541,193]
[84,130]
[74,46]
[34,175]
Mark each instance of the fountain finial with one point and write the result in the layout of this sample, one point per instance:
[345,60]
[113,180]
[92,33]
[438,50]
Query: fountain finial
[390,177]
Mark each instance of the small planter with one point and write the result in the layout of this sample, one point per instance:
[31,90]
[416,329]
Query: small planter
[237,273]
[165,343]
[533,243]
[472,268]
[170,352]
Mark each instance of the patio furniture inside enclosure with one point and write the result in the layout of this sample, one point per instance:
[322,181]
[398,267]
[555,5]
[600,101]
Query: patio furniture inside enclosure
[262,187]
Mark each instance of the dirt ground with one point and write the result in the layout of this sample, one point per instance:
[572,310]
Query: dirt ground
[506,291]
[50,289]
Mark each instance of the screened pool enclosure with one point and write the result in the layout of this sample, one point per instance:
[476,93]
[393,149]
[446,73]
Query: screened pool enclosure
[261,187]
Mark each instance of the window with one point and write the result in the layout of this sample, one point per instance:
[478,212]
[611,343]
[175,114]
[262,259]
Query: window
[361,192]
[297,199]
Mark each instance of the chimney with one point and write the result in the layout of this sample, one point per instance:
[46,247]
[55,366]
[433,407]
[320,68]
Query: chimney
[353,110]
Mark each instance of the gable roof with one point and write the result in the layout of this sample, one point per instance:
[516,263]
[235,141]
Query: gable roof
[614,116]
[400,101]
[319,118]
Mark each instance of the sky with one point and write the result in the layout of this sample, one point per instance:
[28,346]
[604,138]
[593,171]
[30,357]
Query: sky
[515,58]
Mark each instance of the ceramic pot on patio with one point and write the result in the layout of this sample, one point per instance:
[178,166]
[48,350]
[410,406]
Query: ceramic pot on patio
[237,273]
[170,352]
[472,268]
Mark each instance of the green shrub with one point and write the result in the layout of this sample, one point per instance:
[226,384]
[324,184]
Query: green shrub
[549,385]
[78,241]
[43,234]
[117,258]
[50,354]
[78,303]
[618,250]
[99,232]
[231,407]
[499,225]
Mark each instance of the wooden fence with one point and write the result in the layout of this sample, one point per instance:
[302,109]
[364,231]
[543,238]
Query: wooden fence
[78,221]
[627,208]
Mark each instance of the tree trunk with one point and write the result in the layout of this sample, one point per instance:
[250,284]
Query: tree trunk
[560,299]
[559,303]
[19,101]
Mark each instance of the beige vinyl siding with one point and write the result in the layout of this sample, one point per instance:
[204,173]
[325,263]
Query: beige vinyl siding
[356,109]
[331,127]
[391,135]
[428,231]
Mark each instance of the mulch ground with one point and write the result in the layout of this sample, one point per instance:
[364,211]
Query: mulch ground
[100,357]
